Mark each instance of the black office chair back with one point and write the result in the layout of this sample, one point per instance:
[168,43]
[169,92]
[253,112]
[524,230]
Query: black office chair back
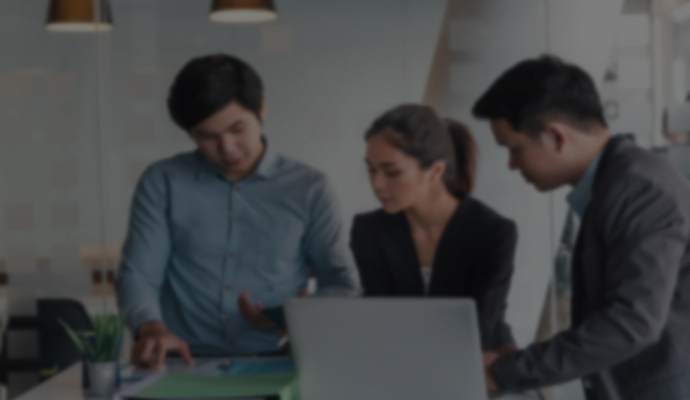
[58,350]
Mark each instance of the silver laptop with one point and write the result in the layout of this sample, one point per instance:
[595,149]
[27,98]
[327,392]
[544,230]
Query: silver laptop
[379,349]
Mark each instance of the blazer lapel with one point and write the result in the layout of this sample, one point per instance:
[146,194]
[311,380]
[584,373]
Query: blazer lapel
[402,258]
[577,283]
[587,267]
[449,276]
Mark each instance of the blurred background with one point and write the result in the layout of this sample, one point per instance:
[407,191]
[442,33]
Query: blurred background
[83,113]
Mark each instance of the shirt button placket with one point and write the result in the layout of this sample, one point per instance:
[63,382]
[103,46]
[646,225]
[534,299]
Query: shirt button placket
[228,273]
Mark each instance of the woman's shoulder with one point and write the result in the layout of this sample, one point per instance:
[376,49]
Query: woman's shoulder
[484,215]
[375,220]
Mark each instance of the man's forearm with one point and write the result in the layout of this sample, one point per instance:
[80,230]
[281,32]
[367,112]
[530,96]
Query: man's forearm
[338,291]
[138,302]
[346,283]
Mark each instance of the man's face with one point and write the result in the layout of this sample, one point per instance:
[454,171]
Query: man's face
[231,138]
[538,160]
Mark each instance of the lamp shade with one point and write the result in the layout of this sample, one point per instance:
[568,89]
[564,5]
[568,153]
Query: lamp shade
[242,11]
[79,16]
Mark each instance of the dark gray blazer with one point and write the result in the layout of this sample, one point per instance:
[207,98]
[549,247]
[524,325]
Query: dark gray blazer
[474,259]
[630,334]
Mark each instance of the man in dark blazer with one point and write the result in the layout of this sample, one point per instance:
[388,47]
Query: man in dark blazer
[630,331]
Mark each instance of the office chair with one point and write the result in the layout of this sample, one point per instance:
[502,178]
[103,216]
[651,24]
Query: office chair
[56,351]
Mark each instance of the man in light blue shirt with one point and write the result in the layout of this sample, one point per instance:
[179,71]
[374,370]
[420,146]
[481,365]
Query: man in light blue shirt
[219,233]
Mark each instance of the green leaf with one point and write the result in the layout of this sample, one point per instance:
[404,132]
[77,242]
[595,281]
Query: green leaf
[103,343]
[75,338]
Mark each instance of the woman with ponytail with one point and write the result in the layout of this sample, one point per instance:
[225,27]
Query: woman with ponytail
[431,238]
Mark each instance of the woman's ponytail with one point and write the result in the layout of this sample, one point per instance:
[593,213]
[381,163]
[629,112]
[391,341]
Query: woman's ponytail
[465,149]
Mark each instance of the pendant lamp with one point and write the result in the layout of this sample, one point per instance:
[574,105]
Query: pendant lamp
[242,11]
[79,16]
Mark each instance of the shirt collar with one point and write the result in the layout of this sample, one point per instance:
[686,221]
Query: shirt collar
[579,197]
[265,169]
[206,167]
[269,161]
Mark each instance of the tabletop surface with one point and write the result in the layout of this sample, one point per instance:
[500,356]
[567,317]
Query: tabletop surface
[64,386]
[67,386]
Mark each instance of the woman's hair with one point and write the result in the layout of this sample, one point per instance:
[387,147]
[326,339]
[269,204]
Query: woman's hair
[420,133]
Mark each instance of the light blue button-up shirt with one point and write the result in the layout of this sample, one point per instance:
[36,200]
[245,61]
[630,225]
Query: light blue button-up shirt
[197,240]
[579,197]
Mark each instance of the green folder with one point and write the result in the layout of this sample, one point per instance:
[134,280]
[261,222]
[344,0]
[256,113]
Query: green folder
[181,386]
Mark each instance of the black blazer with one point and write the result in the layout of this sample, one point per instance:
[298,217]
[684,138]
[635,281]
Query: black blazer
[474,259]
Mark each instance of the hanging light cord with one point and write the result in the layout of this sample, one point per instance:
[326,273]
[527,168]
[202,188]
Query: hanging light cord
[103,167]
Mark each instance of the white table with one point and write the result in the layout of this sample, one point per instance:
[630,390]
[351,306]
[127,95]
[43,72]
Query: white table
[64,386]
[67,386]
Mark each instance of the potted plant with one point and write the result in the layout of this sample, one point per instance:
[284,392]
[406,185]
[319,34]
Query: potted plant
[100,349]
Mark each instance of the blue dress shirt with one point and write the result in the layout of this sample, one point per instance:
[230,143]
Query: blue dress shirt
[579,197]
[197,240]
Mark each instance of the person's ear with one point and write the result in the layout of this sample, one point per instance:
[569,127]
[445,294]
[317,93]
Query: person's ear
[436,171]
[555,136]
[262,111]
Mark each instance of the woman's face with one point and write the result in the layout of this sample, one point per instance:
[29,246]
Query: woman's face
[396,178]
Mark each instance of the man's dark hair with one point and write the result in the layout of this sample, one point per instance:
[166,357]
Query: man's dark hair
[207,84]
[535,90]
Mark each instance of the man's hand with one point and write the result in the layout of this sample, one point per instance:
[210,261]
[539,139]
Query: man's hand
[489,357]
[253,312]
[155,341]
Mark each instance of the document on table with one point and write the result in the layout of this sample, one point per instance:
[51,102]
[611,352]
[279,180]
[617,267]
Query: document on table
[185,386]
[219,379]
[260,366]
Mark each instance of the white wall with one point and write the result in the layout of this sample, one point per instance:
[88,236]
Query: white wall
[48,189]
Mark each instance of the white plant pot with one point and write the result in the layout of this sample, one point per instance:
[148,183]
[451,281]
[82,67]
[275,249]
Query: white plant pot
[101,377]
